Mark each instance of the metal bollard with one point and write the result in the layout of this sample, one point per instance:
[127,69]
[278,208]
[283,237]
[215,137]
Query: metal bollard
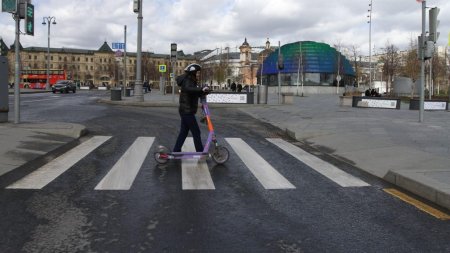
[4,103]
[116,94]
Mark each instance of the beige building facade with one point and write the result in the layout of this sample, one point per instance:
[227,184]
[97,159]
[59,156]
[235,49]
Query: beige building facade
[102,67]
[241,65]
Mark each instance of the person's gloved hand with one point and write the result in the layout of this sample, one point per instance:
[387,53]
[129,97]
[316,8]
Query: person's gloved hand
[206,90]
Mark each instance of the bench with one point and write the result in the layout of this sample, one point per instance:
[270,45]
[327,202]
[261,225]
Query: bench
[287,98]
[429,105]
[376,102]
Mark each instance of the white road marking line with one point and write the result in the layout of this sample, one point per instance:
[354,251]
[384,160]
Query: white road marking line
[37,100]
[194,173]
[328,170]
[47,173]
[261,169]
[122,174]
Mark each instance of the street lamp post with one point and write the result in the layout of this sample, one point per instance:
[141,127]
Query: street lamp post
[47,21]
[139,97]
[300,65]
[173,59]
[422,63]
[370,43]
[279,67]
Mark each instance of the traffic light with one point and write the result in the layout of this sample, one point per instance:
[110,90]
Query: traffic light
[429,50]
[136,5]
[29,19]
[280,62]
[433,24]
[23,8]
[173,52]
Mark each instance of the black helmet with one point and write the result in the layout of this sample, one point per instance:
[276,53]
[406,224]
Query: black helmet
[193,67]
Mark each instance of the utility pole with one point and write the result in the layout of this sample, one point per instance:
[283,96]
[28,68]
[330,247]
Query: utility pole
[17,69]
[422,64]
[17,17]
[173,60]
[431,89]
[139,97]
[338,77]
[370,43]
[124,60]
[280,66]
[50,20]
[20,9]
[300,66]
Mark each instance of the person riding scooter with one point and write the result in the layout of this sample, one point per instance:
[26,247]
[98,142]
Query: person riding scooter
[188,105]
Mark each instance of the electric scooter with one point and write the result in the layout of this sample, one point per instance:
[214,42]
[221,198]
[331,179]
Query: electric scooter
[212,149]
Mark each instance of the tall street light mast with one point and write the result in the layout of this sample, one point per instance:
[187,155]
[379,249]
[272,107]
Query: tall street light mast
[139,97]
[47,21]
[370,43]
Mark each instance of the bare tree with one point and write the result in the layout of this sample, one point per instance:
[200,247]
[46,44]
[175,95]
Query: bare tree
[439,70]
[149,69]
[391,63]
[338,47]
[411,66]
[220,72]
[355,53]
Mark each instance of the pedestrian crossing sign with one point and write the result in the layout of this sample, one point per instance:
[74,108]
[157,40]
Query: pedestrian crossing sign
[162,68]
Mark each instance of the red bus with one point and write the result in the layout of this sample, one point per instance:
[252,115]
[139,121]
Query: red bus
[37,78]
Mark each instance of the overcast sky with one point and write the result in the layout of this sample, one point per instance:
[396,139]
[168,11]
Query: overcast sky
[208,24]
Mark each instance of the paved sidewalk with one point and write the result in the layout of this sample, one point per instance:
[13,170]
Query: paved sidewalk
[389,144]
[24,142]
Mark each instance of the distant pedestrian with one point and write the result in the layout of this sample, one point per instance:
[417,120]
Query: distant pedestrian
[233,87]
[239,88]
[146,87]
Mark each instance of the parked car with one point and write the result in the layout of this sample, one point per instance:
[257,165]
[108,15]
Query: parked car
[64,86]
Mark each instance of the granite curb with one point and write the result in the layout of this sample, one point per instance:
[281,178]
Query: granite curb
[406,167]
[417,181]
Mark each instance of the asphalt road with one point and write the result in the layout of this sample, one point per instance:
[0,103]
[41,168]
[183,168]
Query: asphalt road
[239,215]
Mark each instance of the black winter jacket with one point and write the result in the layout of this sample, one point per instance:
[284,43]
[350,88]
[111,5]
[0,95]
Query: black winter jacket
[190,92]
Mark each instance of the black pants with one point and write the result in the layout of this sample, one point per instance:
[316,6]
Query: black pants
[188,123]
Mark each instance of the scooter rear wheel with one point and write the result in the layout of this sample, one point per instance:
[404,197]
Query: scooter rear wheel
[220,154]
[161,156]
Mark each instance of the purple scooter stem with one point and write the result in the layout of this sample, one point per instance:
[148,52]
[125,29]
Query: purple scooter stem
[220,154]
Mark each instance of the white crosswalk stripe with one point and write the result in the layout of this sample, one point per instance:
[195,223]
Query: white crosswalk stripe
[194,172]
[123,173]
[328,170]
[262,170]
[47,173]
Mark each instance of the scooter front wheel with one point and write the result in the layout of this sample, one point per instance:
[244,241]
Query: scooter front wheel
[161,156]
[220,154]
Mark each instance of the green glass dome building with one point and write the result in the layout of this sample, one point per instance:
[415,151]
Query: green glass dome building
[316,63]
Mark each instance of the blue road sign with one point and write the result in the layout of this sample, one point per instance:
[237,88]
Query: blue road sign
[118,45]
